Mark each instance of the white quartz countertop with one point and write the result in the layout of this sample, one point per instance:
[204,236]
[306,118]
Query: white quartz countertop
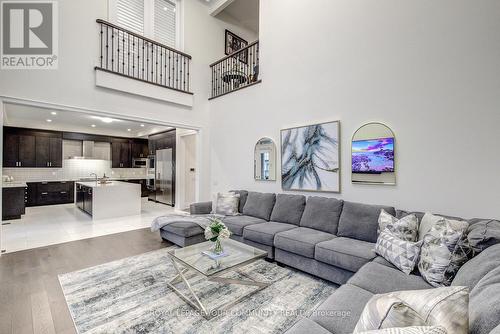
[112,184]
[78,180]
[15,184]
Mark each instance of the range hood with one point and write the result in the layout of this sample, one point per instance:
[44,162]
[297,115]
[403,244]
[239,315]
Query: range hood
[88,151]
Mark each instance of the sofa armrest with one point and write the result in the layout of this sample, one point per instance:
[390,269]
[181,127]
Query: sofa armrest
[201,208]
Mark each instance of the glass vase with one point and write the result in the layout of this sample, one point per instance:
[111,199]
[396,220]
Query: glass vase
[218,247]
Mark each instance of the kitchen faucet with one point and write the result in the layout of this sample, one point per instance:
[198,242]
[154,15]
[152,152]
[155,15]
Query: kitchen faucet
[95,176]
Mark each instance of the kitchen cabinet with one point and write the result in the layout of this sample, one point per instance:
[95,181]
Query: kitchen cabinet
[140,149]
[48,151]
[13,202]
[32,148]
[19,150]
[120,154]
[50,193]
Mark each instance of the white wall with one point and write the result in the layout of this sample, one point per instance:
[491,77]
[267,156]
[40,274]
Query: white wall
[429,69]
[73,84]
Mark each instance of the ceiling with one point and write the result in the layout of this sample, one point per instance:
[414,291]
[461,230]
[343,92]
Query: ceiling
[246,12]
[36,118]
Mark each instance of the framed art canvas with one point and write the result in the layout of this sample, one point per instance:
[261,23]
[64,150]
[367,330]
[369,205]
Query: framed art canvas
[310,157]
[234,43]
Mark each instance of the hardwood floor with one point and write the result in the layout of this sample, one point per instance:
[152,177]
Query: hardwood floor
[31,300]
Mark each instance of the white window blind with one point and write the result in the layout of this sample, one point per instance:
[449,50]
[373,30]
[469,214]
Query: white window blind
[164,22]
[130,15]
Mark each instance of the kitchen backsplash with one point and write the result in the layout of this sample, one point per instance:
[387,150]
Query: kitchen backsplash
[73,170]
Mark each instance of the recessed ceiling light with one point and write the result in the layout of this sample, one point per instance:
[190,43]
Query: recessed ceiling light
[93,125]
[104,119]
[53,113]
[129,130]
[165,8]
[49,120]
[142,125]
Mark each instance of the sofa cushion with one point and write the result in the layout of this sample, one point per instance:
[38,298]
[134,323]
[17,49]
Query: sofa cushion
[340,312]
[307,326]
[484,303]
[346,253]
[381,260]
[378,278]
[476,268]
[483,233]
[243,198]
[360,221]
[322,214]
[264,233]
[185,229]
[237,223]
[259,205]
[300,240]
[288,208]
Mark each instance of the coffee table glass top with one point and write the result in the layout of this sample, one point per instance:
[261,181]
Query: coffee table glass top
[237,254]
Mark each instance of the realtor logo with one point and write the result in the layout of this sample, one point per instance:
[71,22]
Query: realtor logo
[29,35]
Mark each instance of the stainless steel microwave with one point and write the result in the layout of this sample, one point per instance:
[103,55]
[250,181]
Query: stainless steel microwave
[140,163]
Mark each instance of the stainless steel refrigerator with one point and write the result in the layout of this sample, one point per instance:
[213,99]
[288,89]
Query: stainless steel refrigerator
[164,176]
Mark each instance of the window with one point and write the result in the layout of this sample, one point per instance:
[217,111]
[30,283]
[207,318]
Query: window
[155,19]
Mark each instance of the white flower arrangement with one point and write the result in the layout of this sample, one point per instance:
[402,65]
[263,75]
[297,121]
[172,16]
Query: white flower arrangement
[216,230]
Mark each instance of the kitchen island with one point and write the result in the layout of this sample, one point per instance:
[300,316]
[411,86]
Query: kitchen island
[109,200]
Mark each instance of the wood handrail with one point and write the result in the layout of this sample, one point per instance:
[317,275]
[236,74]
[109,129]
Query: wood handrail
[100,21]
[234,53]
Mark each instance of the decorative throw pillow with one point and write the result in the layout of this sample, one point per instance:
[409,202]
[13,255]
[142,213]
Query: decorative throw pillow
[405,228]
[443,251]
[403,254]
[447,307]
[386,311]
[409,330]
[226,204]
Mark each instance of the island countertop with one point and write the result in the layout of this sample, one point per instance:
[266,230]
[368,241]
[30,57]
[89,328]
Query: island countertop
[106,185]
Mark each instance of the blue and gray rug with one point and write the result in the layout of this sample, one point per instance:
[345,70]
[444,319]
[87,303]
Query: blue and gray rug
[131,296]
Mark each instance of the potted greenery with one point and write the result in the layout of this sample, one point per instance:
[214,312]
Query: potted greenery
[216,231]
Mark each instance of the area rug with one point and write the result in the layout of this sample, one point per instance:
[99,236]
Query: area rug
[131,296]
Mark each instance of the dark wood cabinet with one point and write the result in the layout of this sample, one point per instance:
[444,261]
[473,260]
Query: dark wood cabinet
[13,202]
[87,200]
[120,154]
[48,151]
[50,193]
[32,148]
[19,149]
[140,149]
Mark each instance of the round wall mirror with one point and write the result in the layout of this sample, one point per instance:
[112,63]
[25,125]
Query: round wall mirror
[265,160]
[372,155]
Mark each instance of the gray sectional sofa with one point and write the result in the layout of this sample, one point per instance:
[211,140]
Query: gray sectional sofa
[334,240]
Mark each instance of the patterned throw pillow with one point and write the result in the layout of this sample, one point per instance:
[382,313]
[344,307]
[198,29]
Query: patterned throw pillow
[403,254]
[447,307]
[405,228]
[409,330]
[226,204]
[443,251]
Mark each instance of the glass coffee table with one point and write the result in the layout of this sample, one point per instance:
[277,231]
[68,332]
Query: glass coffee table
[191,259]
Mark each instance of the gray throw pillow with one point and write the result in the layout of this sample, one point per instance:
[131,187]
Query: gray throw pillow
[403,254]
[447,307]
[405,228]
[443,251]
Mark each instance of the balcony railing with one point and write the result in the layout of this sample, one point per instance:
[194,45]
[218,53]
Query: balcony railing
[235,71]
[128,54]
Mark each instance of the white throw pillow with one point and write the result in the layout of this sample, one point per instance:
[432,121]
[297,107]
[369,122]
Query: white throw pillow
[447,307]
[226,204]
[403,254]
[409,330]
[405,228]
